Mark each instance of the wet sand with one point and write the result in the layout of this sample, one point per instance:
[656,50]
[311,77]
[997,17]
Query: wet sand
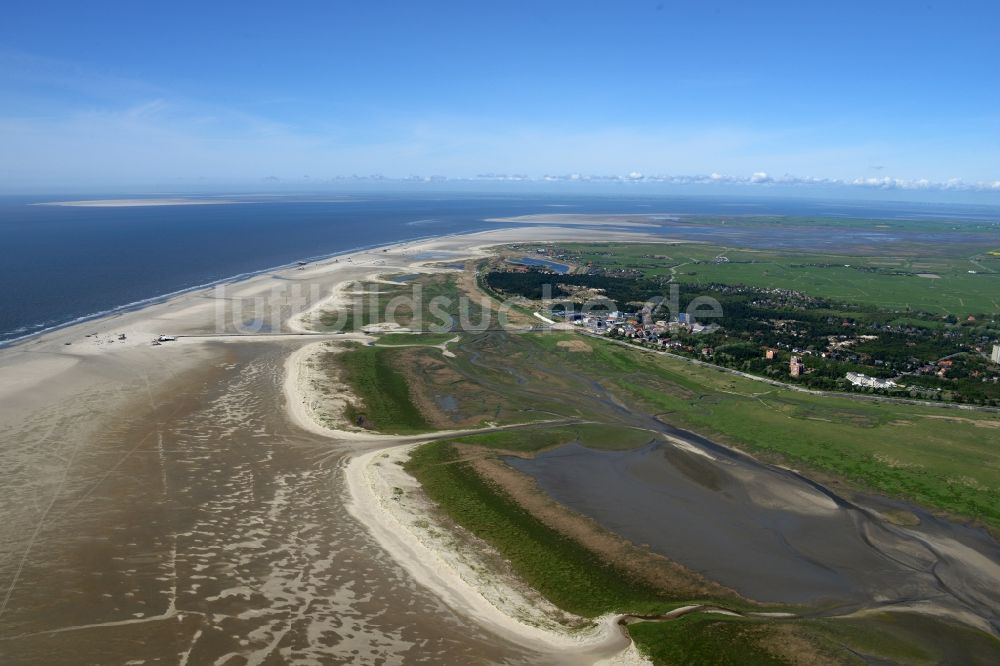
[159,503]
[201,525]
[770,534]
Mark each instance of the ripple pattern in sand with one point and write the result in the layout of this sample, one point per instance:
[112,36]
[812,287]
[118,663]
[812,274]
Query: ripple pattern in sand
[221,538]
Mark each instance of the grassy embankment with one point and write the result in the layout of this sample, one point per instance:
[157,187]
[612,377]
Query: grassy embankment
[879,638]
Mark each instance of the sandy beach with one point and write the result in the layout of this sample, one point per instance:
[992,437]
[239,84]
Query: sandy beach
[171,499]
[428,550]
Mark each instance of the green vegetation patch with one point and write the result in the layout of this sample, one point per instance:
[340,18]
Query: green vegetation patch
[899,638]
[910,638]
[371,374]
[962,284]
[702,639]
[561,569]
[412,339]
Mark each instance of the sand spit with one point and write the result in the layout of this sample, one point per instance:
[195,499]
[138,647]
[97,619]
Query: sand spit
[389,503]
[581,219]
[403,523]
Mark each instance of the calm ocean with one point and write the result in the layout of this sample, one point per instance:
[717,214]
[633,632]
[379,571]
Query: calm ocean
[64,264]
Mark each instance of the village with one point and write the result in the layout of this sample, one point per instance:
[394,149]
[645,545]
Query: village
[685,336]
[777,333]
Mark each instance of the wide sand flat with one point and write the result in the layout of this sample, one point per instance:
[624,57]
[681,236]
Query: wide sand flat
[161,502]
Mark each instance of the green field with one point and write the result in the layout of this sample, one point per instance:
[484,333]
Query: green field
[880,638]
[383,390]
[702,639]
[863,280]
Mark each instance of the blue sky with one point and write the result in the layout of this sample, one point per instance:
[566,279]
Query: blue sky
[110,95]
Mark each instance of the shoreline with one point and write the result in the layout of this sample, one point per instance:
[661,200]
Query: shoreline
[38,372]
[189,313]
[138,306]
[478,240]
[492,598]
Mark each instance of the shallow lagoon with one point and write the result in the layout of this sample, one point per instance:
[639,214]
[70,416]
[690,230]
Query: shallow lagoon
[765,531]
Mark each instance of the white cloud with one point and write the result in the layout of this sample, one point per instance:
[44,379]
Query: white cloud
[761,178]
[162,140]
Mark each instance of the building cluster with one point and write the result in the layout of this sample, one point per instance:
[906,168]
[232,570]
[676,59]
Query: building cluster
[630,325]
[862,380]
[939,368]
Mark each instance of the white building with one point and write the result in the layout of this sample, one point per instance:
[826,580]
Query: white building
[859,379]
[995,356]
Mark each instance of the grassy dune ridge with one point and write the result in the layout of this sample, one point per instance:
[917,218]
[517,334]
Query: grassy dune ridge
[562,570]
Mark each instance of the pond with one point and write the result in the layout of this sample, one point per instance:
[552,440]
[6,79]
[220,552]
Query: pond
[534,261]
